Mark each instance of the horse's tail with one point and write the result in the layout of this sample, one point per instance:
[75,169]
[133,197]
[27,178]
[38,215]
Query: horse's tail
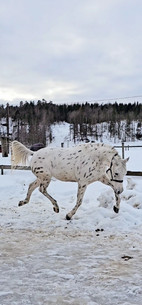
[19,153]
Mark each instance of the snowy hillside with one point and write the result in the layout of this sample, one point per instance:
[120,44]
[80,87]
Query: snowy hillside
[57,133]
[94,259]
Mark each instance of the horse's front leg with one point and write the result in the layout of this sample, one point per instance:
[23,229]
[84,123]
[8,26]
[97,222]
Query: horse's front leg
[117,205]
[80,194]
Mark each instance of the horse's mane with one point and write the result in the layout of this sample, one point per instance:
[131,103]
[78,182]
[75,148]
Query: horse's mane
[107,147]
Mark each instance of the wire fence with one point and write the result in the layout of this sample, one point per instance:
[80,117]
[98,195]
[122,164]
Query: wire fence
[123,147]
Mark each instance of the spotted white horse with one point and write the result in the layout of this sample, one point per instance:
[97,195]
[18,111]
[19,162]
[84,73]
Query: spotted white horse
[84,164]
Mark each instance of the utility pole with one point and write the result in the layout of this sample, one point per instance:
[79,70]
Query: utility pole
[7,124]
[5,139]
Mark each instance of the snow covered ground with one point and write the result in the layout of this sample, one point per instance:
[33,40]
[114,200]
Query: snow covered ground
[94,259]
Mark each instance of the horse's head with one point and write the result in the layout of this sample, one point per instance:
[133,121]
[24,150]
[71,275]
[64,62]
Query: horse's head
[116,172]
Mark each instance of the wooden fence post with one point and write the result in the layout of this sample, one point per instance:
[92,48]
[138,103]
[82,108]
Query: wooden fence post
[122,150]
[4,144]
[1,170]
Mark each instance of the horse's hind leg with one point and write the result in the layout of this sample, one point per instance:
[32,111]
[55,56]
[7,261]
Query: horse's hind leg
[42,189]
[80,194]
[31,188]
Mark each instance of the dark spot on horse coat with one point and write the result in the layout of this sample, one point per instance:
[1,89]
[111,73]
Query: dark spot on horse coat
[93,169]
[88,175]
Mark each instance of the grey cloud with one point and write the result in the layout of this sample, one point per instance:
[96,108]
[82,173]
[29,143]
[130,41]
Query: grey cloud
[69,51]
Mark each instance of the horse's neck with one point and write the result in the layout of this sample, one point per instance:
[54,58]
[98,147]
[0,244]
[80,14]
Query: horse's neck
[107,157]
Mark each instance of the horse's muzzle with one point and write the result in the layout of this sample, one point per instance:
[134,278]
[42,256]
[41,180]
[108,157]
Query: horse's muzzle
[118,192]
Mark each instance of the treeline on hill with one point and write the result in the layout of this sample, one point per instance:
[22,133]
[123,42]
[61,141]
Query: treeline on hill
[39,116]
[81,113]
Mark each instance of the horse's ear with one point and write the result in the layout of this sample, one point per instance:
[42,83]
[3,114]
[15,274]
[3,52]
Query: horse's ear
[126,160]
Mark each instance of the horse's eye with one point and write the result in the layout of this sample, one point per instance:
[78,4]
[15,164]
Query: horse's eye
[116,174]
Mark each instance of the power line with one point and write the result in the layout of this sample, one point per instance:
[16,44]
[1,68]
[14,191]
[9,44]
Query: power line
[118,98]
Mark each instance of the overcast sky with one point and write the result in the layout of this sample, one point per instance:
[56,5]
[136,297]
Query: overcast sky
[69,51]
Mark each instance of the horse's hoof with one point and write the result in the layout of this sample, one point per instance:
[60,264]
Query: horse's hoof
[68,217]
[22,202]
[116,210]
[56,210]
